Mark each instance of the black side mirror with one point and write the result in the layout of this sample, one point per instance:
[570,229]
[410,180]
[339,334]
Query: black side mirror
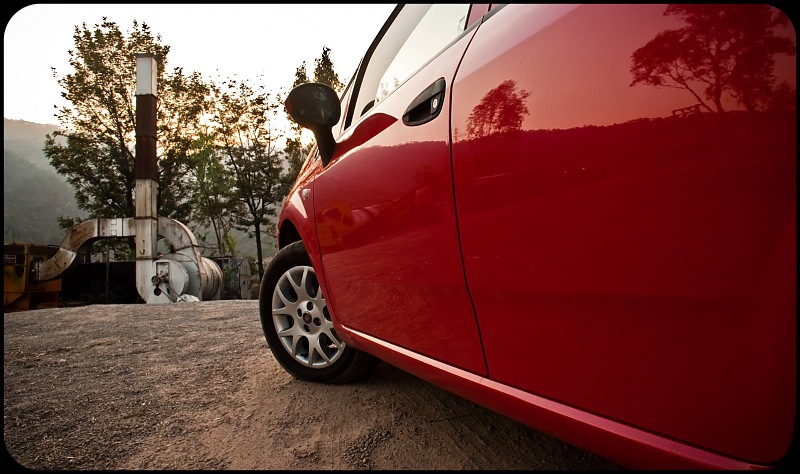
[316,107]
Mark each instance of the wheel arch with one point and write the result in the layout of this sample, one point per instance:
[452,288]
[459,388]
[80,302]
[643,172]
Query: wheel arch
[287,234]
[296,224]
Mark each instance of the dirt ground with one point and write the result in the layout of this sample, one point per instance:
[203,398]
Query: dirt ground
[194,386]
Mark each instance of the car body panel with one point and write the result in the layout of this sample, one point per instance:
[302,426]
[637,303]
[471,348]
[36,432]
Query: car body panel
[628,446]
[295,221]
[611,263]
[641,253]
[387,232]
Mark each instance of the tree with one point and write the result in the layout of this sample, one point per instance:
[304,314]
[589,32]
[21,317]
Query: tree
[99,126]
[300,77]
[213,203]
[296,151]
[723,49]
[324,73]
[183,102]
[243,123]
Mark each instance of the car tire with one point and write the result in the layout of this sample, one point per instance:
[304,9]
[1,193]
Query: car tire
[298,327]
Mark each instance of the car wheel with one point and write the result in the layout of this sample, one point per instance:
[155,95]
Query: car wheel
[298,327]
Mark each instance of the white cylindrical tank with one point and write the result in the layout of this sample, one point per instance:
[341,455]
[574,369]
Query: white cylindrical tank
[211,287]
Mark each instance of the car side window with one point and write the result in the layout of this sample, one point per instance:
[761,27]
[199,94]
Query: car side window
[417,34]
[344,99]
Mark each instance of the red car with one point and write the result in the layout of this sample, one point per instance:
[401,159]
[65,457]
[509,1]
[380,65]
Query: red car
[582,217]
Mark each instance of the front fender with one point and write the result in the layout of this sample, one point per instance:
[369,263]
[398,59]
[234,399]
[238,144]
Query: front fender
[296,222]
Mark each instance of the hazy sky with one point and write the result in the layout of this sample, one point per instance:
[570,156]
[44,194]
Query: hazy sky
[217,40]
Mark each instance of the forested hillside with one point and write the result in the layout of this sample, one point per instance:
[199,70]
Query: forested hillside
[26,139]
[34,195]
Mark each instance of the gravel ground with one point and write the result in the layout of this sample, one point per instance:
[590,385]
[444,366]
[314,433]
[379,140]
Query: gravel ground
[193,386]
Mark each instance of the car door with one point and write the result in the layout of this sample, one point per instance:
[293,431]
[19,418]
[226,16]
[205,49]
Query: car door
[384,206]
[630,245]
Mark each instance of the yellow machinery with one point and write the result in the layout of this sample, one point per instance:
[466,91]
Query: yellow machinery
[20,292]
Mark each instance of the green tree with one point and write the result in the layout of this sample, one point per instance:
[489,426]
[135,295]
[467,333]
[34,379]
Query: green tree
[300,77]
[722,49]
[214,205]
[243,119]
[296,151]
[324,73]
[98,154]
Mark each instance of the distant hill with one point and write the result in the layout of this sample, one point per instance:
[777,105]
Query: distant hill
[35,195]
[27,139]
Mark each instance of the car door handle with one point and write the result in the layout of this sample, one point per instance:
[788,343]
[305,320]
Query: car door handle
[426,106]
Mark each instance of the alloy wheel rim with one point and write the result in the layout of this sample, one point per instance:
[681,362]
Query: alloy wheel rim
[302,321]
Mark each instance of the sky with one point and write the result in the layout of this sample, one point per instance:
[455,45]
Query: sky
[217,40]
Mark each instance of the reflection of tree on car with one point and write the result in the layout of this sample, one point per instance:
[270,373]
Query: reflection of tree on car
[724,49]
[501,110]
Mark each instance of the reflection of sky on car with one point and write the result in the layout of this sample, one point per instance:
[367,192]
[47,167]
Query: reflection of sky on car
[409,59]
